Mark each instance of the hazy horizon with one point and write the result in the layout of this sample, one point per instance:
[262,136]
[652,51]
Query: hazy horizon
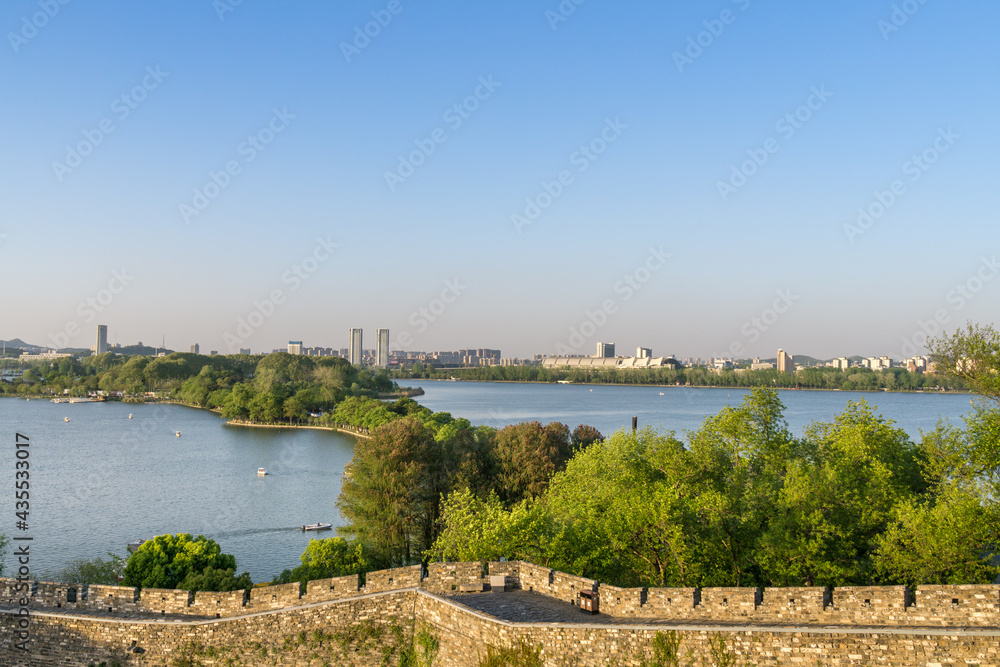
[719,180]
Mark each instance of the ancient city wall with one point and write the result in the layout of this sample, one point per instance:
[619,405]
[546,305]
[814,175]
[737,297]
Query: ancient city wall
[353,624]
[958,606]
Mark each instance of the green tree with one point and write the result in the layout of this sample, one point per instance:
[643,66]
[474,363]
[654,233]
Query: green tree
[390,495]
[622,512]
[93,571]
[166,561]
[950,533]
[738,460]
[838,499]
[330,557]
[971,355]
[950,539]
[526,457]
[215,579]
[482,529]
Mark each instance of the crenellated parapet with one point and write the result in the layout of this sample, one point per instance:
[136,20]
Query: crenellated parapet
[931,605]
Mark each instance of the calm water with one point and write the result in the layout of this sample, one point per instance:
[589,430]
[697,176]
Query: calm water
[102,479]
[609,408]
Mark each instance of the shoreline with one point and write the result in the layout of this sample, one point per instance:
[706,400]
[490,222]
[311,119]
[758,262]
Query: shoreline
[701,386]
[234,422]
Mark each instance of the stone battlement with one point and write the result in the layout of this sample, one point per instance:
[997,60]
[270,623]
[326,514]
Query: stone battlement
[925,606]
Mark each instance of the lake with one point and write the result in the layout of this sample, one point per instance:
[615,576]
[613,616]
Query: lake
[609,408]
[102,479]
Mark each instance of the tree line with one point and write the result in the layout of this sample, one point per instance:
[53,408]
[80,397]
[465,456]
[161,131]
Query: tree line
[820,377]
[271,388]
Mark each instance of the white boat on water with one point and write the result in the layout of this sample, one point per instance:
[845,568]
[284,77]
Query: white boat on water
[133,545]
[261,471]
[317,526]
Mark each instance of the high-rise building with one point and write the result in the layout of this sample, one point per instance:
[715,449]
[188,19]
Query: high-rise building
[294,347]
[354,355]
[605,350]
[785,363]
[102,339]
[382,348]
[195,348]
[643,353]
[244,350]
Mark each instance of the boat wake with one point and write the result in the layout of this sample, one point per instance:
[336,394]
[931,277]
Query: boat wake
[253,531]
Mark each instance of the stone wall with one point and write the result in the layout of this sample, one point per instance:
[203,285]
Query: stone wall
[355,632]
[395,579]
[939,606]
[451,578]
[334,588]
[465,636]
[289,636]
[72,625]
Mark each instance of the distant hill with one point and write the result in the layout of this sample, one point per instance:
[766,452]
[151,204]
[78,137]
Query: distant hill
[806,360]
[17,342]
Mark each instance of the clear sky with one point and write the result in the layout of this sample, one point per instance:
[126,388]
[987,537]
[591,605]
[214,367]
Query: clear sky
[681,176]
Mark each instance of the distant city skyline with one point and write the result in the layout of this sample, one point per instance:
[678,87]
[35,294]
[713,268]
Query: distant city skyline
[355,341]
[710,181]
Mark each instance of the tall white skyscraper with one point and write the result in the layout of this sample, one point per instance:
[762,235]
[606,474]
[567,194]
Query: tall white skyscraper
[294,347]
[785,363]
[354,354]
[382,348]
[102,339]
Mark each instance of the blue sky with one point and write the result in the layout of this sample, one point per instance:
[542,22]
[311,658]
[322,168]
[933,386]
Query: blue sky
[713,158]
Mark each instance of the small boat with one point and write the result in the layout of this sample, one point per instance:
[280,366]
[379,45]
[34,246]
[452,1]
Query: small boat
[661,393]
[261,471]
[133,545]
[130,415]
[65,419]
[317,526]
[177,434]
